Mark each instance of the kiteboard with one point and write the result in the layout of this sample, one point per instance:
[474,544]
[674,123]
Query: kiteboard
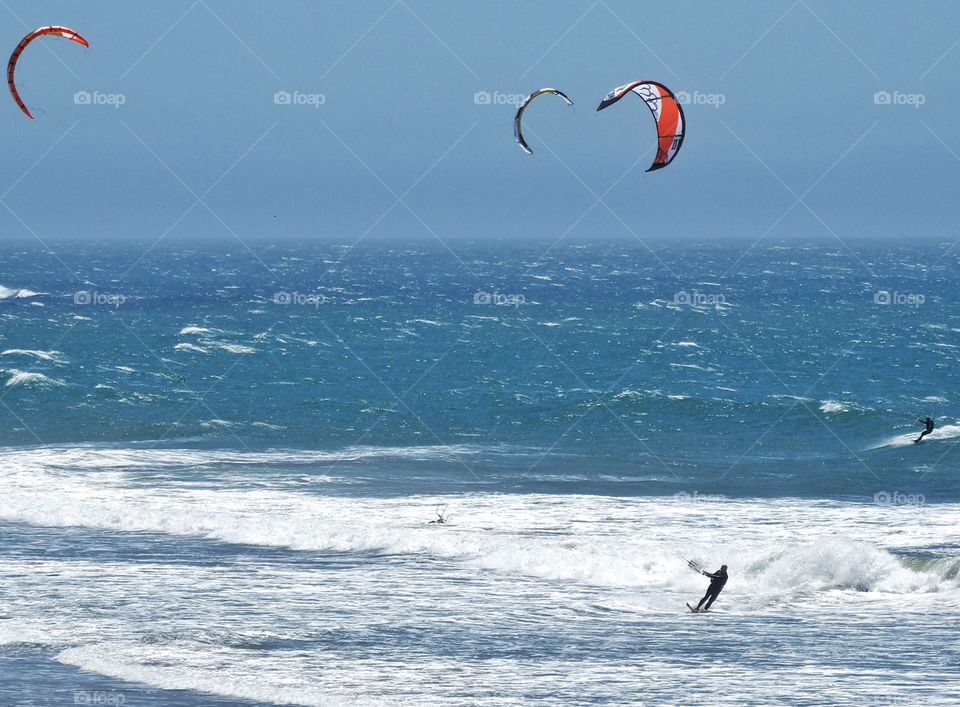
[696,611]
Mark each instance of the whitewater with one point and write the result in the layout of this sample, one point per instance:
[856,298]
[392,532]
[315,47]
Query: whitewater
[250,577]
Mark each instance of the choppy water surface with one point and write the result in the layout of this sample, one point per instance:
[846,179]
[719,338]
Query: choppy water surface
[217,471]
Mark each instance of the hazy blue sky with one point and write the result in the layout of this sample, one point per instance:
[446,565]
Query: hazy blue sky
[398,79]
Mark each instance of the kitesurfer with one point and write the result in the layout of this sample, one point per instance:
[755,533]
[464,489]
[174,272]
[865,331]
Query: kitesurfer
[928,428]
[717,580]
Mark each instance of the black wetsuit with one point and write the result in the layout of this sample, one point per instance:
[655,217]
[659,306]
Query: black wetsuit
[928,428]
[717,580]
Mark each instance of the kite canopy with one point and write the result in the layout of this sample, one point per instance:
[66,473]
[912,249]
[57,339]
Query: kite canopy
[64,32]
[667,114]
[517,132]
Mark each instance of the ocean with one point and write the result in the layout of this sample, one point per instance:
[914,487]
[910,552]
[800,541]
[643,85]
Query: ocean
[220,461]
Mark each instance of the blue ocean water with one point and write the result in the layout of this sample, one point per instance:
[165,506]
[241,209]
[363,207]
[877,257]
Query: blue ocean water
[220,459]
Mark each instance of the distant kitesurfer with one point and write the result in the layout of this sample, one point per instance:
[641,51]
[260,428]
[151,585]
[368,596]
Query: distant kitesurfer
[717,580]
[928,428]
[441,516]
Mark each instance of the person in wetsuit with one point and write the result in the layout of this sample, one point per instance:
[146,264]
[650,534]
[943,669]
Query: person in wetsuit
[717,580]
[928,428]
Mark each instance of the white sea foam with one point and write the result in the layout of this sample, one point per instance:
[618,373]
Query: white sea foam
[190,347]
[798,398]
[93,458]
[605,542]
[940,433]
[7,293]
[232,348]
[41,355]
[692,366]
[366,626]
[164,669]
[223,424]
[31,379]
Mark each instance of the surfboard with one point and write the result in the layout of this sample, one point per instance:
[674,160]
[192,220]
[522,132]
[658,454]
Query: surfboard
[692,609]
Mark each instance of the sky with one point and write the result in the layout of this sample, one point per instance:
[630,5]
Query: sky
[806,119]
